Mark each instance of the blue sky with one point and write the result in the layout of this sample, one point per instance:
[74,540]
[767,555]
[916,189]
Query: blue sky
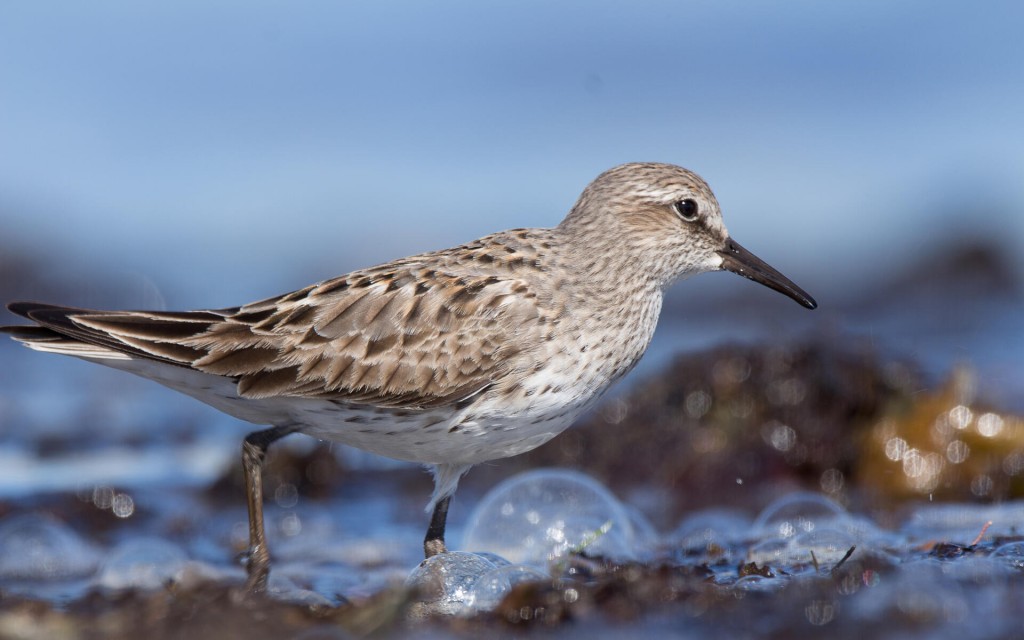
[227,151]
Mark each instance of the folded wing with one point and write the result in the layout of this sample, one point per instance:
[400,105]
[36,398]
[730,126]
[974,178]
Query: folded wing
[403,336]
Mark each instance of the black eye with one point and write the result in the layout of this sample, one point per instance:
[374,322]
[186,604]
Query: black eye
[686,209]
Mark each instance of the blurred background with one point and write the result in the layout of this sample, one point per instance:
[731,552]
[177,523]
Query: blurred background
[213,153]
[197,154]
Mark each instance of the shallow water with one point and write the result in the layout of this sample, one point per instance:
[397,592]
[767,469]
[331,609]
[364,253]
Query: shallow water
[955,570]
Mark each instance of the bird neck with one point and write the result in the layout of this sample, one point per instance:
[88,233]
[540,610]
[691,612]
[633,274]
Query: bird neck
[603,258]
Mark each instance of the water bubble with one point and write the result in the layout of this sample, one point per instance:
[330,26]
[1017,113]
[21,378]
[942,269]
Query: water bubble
[493,586]
[39,547]
[645,536]
[797,513]
[446,581]
[538,516]
[711,530]
[142,563]
[494,558]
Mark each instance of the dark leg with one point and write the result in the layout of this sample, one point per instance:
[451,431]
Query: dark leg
[254,450]
[433,544]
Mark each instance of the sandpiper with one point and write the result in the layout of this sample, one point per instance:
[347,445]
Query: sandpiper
[448,358]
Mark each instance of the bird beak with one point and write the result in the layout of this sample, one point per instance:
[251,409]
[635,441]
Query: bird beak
[738,260]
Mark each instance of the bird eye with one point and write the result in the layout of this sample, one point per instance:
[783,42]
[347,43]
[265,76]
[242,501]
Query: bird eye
[686,209]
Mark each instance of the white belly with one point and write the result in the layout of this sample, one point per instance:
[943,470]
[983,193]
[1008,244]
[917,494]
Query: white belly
[485,430]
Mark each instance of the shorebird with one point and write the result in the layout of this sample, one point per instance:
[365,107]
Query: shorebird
[448,358]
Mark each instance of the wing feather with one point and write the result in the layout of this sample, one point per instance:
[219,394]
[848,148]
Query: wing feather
[401,335]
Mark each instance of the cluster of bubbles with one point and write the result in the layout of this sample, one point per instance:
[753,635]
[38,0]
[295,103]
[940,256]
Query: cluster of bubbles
[523,530]
[528,526]
[533,526]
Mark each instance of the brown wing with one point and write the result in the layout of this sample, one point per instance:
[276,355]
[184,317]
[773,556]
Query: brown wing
[396,336]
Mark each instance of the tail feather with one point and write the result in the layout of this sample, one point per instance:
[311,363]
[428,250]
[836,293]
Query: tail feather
[110,334]
[31,333]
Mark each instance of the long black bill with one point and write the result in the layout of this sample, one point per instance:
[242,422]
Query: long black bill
[738,260]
